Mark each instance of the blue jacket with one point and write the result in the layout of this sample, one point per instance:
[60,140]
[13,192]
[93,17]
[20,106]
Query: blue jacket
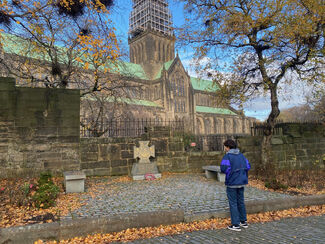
[235,166]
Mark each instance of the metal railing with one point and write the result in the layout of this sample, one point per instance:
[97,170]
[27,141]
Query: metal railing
[126,128]
[210,143]
[258,128]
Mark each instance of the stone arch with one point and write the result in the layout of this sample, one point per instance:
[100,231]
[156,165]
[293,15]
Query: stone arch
[216,124]
[239,126]
[207,126]
[199,126]
[156,53]
[222,126]
[158,119]
[168,53]
[134,54]
[129,124]
[212,125]
[248,127]
[164,53]
[157,90]
[147,93]
[235,126]
[228,126]
[137,54]
[131,54]
[141,52]
[159,51]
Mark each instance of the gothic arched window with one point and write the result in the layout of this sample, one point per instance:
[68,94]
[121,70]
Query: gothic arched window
[178,84]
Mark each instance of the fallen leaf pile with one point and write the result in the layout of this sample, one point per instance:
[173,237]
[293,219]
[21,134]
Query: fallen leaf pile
[162,230]
[307,189]
[12,215]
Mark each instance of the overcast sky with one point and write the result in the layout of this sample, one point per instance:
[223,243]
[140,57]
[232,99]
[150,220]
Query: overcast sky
[258,108]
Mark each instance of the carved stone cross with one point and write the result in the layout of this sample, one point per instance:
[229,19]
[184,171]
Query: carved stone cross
[144,168]
[144,152]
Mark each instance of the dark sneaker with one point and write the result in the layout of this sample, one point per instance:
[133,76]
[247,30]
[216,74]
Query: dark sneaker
[234,227]
[244,224]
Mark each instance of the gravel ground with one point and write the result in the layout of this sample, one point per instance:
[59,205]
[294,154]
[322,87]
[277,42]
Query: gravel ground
[191,192]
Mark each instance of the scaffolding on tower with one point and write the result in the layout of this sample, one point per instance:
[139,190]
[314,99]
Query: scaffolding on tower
[152,14]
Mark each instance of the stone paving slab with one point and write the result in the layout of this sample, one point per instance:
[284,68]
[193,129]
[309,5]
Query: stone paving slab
[191,192]
[291,230]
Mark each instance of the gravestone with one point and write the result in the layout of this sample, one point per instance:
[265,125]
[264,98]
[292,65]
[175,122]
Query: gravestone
[144,168]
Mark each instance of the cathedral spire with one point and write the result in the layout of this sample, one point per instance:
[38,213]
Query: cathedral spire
[150,14]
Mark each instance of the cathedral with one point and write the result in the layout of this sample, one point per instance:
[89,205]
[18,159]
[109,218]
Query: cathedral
[157,85]
[169,92]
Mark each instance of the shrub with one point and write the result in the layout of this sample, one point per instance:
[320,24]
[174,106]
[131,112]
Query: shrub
[46,195]
[46,192]
[275,185]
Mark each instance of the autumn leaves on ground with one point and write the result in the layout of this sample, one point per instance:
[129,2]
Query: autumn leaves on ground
[150,232]
[17,209]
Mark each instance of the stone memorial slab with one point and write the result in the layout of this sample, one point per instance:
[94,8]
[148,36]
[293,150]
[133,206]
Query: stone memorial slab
[74,181]
[144,166]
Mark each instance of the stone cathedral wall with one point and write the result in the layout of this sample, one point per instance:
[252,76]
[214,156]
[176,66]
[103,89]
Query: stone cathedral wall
[39,129]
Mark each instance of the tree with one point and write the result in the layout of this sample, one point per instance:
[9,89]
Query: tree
[301,113]
[65,44]
[262,43]
[58,43]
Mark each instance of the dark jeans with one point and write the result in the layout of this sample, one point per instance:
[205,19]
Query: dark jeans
[236,205]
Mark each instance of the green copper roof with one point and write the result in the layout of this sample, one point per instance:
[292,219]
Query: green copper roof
[211,110]
[129,69]
[140,102]
[20,46]
[17,45]
[204,85]
[127,101]
[166,65]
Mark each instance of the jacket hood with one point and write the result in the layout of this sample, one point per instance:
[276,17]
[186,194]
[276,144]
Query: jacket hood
[234,151]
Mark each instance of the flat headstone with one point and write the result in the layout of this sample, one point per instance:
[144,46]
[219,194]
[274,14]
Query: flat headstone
[74,181]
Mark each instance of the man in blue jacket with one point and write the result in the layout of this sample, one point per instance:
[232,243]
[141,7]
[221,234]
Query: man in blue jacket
[236,167]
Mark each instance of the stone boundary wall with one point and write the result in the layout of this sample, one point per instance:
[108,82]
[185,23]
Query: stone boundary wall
[302,146]
[39,129]
[114,156]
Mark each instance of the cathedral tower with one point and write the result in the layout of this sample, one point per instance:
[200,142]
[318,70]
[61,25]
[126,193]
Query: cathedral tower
[151,38]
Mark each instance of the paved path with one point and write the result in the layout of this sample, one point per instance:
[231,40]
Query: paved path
[192,192]
[294,230]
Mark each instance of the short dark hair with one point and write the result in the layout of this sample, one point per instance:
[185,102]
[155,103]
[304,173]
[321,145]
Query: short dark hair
[230,143]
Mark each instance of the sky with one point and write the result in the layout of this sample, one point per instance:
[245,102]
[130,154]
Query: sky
[259,107]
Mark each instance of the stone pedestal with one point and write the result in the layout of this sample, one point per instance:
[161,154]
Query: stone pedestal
[144,169]
[74,181]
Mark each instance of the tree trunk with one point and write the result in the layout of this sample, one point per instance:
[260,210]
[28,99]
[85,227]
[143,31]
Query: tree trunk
[268,166]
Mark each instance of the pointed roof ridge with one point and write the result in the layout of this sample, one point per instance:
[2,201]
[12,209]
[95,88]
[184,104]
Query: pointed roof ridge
[204,85]
[164,66]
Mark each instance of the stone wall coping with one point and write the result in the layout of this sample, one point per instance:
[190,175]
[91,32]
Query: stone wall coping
[212,168]
[82,227]
[74,175]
